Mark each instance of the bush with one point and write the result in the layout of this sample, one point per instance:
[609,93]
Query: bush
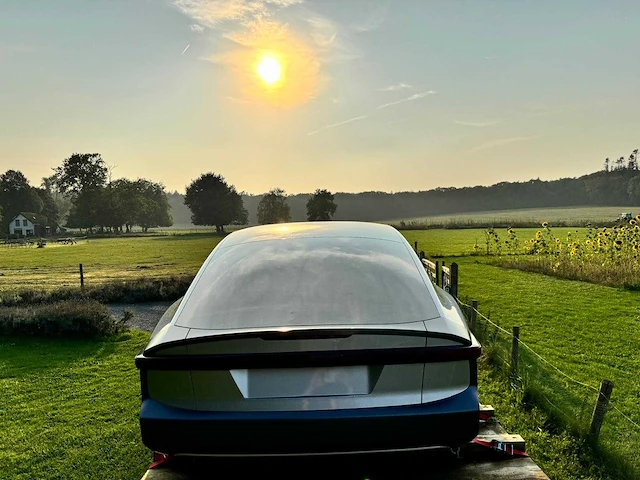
[128,291]
[84,318]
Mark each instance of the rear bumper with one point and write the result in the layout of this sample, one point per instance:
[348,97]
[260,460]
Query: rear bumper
[172,430]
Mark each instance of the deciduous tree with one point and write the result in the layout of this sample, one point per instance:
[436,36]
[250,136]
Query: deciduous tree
[320,206]
[274,208]
[214,202]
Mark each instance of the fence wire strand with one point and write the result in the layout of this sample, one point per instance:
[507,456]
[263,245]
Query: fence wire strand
[540,357]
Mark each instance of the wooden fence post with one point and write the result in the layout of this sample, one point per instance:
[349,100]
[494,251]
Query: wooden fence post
[415,246]
[515,349]
[81,277]
[422,255]
[474,314]
[606,387]
[454,279]
[438,274]
[442,275]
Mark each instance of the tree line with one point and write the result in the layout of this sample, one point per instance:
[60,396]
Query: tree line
[81,194]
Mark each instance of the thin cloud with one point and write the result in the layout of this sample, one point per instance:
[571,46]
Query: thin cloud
[500,142]
[480,124]
[372,22]
[393,88]
[333,125]
[211,13]
[415,96]
[323,31]
[196,28]
[185,49]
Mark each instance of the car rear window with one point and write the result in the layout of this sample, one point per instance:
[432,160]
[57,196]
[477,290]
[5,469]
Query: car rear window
[307,282]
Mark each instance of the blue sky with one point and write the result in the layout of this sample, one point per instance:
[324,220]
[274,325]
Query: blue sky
[376,95]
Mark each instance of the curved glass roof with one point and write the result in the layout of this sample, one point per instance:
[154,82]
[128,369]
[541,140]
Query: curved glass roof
[308,282]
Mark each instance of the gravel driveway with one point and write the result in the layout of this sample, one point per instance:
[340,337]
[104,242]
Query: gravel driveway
[145,315]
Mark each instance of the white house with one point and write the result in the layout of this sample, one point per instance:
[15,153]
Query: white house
[29,225]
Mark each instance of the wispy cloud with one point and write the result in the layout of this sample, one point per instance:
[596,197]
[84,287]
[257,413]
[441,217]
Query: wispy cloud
[196,28]
[323,31]
[479,124]
[210,13]
[500,142]
[372,22]
[185,49]
[333,125]
[396,87]
[413,97]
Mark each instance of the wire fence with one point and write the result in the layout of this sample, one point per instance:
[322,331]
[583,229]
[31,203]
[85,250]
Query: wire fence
[570,402]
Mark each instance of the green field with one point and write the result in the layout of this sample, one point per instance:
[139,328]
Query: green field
[103,259]
[588,331]
[567,215]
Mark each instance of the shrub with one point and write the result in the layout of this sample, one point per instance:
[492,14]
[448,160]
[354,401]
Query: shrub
[127,291]
[78,318]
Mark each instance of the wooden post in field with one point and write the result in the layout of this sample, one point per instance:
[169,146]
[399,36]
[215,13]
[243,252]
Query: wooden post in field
[81,277]
[438,279]
[606,387]
[441,277]
[515,350]
[422,255]
[474,314]
[415,246]
[453,270]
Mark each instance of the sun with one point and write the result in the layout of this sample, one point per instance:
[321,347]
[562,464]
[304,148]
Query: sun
[269,69]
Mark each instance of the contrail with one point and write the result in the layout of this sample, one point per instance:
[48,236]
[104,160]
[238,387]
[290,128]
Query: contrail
[409,99]
[337,124]
[185,49]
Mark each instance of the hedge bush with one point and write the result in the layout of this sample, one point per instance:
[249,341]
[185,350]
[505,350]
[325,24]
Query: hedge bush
[71,318]
[126,291]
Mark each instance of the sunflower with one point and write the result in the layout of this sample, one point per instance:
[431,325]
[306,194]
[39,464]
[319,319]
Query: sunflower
[638,217]
[618,243]
[545,224]
[510,231]
[633,221]
[538,234]
[600,234]
[636,246]
[557,240]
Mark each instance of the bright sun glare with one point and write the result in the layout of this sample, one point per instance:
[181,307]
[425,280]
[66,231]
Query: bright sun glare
[269,69]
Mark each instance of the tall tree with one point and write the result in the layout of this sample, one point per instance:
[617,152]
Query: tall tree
[274,208]
[63,202]
[16,195]
[214,202]
[321,206]
[153,207]
[81,172]
[49,207]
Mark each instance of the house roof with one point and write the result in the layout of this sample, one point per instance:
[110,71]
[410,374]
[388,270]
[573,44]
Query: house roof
[35,218]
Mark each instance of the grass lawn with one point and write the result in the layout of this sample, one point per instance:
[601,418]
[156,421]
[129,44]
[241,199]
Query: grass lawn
[103,259]
[69,409]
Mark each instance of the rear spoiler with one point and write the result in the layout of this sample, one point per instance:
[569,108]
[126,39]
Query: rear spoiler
[388,356]
[306,334]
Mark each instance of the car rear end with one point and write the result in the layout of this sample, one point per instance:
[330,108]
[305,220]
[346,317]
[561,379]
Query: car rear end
[314,347]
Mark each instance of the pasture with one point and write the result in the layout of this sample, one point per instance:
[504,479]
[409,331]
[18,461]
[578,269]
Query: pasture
[588,331]
[103,259]
[575,216]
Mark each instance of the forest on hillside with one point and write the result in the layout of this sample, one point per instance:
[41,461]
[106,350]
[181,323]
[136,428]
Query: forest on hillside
[615,185]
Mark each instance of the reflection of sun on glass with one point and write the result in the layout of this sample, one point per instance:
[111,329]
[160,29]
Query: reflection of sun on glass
[269,69]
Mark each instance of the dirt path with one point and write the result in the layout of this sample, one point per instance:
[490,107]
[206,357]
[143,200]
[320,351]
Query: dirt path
[145,315]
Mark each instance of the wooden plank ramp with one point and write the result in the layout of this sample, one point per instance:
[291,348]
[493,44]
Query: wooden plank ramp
[474,462]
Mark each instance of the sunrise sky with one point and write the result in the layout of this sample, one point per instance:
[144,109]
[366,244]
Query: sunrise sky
[348,95]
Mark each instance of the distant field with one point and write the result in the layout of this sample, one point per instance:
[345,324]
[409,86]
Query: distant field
[570,216]
[103,259]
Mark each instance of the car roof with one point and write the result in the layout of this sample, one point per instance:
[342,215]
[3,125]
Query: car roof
[313,230]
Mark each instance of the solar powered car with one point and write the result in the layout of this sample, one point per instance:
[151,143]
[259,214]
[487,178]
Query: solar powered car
[309,338]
